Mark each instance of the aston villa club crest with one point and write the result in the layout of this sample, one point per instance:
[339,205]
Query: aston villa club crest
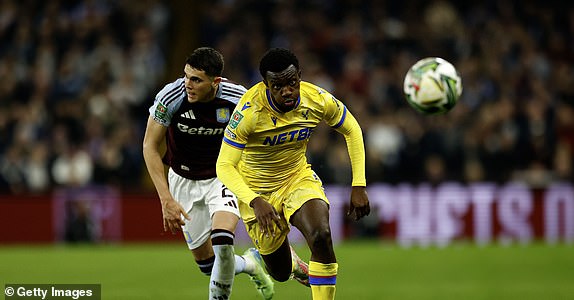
[222,115]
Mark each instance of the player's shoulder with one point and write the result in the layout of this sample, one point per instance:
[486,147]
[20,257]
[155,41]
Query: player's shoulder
[172,93]
[314,92]
[250,106]
[254,98]
[230,90]
[313,89]
[256,90]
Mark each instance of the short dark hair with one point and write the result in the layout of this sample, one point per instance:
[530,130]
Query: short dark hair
[206,59]
[277,60]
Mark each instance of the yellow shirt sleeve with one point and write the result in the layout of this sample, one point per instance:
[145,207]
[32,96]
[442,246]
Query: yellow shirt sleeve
[354,138]
[234,140]
[227,172]
[340,118]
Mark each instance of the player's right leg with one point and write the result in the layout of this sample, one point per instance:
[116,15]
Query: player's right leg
[280,259]
[284,263]
[278,262]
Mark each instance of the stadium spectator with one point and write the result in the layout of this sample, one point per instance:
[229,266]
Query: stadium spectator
[514,58]
[503,108]
[66,62]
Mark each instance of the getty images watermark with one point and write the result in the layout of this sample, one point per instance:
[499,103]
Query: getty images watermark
[53,291]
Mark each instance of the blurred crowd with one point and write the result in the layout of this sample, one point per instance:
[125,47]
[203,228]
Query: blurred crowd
[514,121]
[78,77]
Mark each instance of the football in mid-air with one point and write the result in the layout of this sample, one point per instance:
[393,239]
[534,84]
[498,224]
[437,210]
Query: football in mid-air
[432,86]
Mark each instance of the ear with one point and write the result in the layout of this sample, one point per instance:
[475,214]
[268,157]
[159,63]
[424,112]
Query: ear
[216,81]
[266,83]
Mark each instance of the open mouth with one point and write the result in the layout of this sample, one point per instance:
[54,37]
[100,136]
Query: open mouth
[289,102]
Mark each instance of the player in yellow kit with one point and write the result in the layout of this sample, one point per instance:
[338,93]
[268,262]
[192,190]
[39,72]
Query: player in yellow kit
[262,161]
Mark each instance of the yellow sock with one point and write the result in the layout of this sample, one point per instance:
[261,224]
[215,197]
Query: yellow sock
[323,278]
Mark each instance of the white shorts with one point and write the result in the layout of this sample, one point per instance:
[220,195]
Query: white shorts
[200,199]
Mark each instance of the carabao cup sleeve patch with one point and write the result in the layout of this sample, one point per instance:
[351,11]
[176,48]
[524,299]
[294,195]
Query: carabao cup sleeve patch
[235,119]
[161,113]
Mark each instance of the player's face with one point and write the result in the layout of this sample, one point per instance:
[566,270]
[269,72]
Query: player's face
[284,87]
[199,87]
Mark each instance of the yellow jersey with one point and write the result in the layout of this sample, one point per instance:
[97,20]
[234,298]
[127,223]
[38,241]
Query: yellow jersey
[270,145]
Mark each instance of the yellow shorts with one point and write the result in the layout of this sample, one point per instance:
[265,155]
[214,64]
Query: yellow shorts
[286,200]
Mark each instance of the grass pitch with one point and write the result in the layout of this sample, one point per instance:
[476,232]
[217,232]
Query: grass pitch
[367,270]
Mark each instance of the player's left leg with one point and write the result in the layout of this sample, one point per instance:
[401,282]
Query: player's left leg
[227,264]
[312,219]
[225,216]
[222,240]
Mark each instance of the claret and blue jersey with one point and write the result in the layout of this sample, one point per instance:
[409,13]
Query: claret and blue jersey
[195,128]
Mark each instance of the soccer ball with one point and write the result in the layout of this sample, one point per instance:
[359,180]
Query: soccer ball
[432,86]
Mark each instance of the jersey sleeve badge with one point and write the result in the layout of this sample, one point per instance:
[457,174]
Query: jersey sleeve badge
[161,112]
[235,119]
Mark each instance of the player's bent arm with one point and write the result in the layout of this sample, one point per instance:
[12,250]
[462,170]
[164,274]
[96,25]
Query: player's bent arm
[226,168]
[152,142]
[356,148]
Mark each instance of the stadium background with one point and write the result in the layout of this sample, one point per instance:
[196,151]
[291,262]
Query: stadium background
[78,77]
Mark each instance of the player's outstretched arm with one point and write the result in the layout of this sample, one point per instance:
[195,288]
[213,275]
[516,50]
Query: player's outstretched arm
[172,213]
[359,205]
[171,210]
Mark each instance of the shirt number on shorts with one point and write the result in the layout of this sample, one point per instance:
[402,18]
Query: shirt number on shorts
[225,192]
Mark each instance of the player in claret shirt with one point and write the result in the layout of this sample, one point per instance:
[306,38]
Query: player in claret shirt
[190,115]
[262,161]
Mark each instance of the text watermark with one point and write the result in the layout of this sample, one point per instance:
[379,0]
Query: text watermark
[53,291]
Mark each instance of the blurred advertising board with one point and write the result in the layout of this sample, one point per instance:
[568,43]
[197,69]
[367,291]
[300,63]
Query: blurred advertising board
[87,214]
[424,215]
[410,215]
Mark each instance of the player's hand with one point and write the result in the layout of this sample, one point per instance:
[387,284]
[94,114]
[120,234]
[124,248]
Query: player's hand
[359,206]
[172,215]
[266,216]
